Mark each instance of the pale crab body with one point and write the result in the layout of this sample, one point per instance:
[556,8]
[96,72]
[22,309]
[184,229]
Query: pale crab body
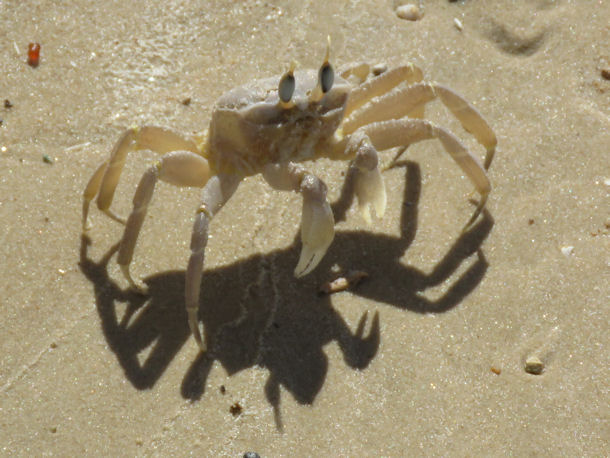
[248,131]
[271,126]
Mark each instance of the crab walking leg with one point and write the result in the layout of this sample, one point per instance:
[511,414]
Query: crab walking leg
[407,101]
[382,84]
[153,138]
[471,120]
[369,186]
[92,188]
[180,168]
[389,134]
[317,221]
[397,103]
[216,193]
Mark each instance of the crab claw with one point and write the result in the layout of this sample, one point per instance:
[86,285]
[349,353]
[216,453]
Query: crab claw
[370,190]
[317,226]
[369,185]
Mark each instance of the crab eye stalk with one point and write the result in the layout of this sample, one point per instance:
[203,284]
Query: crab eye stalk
[326,77]
[286,87]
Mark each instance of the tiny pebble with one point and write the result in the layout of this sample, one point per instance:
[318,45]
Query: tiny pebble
[47,159]
[607,181]
[458,24]
[379,69]
[7,103]
[53,429]
[606,73]
[496,370]
[251,455]
[33,54]
[567,250]
[409,12]
[533,365]
[236,409]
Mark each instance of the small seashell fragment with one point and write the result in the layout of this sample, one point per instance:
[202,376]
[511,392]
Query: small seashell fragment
[533,365]
[351,279]
[458,24]
[567,250]
[409,12]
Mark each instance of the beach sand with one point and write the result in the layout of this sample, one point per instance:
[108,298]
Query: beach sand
[426,357]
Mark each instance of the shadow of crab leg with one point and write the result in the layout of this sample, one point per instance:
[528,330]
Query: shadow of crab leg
[106,176]
[180,168]
[317,222]
[382,84]
[215,194]
[389,134]
[410,101]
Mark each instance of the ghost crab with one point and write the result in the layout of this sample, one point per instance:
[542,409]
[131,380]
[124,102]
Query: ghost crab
[271,126]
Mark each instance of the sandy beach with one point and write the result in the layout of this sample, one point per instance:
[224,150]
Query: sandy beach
[427,356]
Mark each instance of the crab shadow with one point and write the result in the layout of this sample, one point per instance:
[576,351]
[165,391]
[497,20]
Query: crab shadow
[256,313]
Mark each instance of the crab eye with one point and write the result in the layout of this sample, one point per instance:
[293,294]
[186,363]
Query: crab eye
[286,87]
[326,76]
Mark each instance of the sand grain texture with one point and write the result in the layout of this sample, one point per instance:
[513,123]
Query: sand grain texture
[425,357]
